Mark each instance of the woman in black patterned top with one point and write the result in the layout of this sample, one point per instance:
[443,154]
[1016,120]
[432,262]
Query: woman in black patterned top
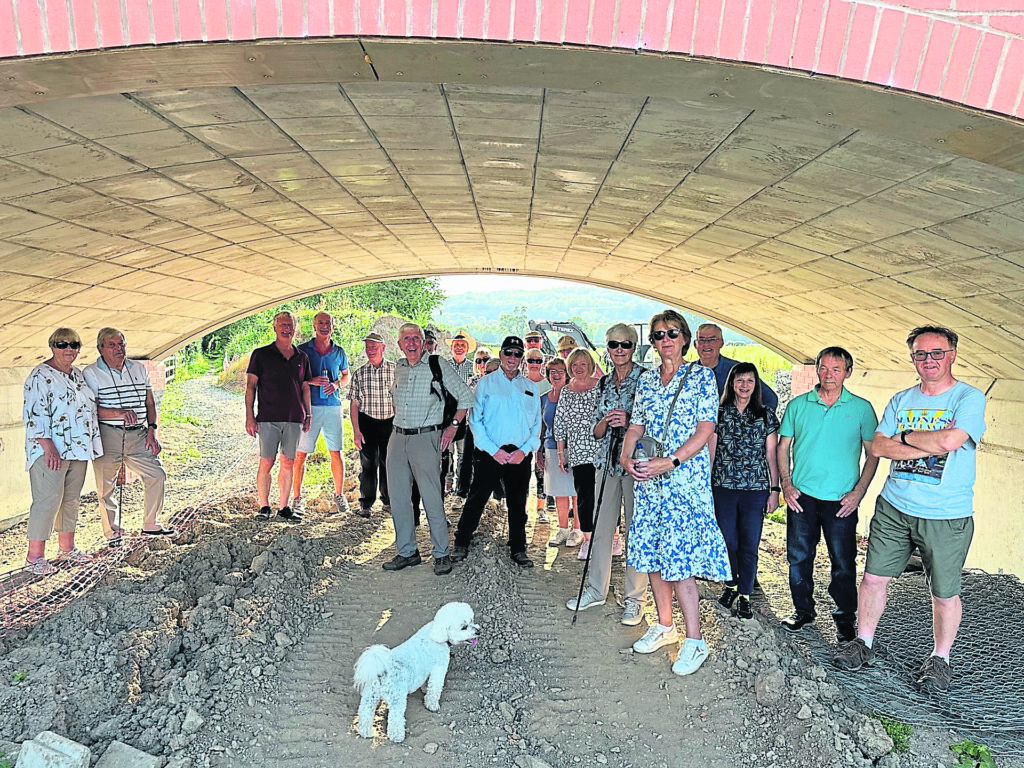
[744,478]
[577,446]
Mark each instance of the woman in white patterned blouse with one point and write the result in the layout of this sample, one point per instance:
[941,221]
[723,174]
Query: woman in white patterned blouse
[62,435]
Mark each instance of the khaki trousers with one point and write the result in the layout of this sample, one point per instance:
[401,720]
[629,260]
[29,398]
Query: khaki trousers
[139,460]
[618,493]
[56,497]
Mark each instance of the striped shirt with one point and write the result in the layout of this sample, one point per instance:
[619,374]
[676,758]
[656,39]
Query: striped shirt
[371,389]
[119,389]
[416,405]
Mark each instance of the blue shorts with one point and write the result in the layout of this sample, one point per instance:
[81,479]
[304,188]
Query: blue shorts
[326,418]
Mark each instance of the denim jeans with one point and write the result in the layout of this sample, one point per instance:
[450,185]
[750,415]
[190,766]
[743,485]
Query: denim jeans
[740,515]
[803,530]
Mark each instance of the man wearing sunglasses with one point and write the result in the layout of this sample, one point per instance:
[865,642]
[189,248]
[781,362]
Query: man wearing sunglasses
[506,432]
[709,344]
[128,424]
[931,433]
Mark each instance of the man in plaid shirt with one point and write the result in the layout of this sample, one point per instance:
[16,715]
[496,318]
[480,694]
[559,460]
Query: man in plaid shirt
[372,414]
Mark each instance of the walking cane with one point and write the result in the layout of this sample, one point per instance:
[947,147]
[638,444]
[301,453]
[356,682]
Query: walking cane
[616,438]
[120,479]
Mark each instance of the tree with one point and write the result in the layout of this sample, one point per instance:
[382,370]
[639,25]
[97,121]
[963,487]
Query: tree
[514,322]
[415,298]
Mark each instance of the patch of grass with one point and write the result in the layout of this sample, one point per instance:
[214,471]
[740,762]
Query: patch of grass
[4,762]
[899,732]
[19,676]
[971,754]
[778,516]
[768,363]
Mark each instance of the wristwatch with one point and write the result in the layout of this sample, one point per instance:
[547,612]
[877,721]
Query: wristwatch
[903,436]
[153,426]
[675,462]
[455,423]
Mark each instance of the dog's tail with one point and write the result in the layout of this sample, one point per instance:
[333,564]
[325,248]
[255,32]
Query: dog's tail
[371,665]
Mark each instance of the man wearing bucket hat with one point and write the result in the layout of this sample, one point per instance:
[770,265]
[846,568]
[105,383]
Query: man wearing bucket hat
[372,413]
[462,346]
[456,471]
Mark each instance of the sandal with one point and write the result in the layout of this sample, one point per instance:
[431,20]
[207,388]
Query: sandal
[41,567]
[76,556]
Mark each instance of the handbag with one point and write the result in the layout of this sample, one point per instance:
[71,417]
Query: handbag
[648,447]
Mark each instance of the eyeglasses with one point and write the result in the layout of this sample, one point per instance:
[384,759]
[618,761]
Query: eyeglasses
[481,360]
[672,333]
[512,352]
[936,354]
[613,344]
[707,339]
[66,344]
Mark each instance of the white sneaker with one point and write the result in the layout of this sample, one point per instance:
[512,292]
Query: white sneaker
[75,555]
[617,545]
[542,516]
[298,505]
[575,538]
[340,504]
[633,613]
[559,538]
[589,600]
[584,549]
[691,656]
[655,638]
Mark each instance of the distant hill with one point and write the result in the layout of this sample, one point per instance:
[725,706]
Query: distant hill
[490,315]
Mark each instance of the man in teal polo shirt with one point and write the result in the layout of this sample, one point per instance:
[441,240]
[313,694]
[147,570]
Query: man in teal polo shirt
[821,440]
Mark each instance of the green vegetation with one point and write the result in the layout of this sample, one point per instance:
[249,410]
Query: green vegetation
[778,516]
[355,309]
[768,363]
[173,403]
[318,465]
[971,754]
[4,762]
[899,732]
[19,676]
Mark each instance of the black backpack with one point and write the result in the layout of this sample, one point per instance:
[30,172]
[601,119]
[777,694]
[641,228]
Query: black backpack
[451,403]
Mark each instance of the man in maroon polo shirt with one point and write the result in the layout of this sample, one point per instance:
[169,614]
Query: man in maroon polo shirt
[278,376]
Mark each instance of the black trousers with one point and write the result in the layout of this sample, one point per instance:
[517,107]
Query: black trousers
[583,477]
[373,465]
[487,475]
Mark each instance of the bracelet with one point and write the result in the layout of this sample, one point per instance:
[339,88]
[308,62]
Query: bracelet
[903,437]
[776,488]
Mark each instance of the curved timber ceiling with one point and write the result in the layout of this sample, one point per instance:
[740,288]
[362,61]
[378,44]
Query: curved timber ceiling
[803,211]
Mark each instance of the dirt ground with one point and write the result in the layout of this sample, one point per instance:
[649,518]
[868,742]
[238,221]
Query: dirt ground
[233,645]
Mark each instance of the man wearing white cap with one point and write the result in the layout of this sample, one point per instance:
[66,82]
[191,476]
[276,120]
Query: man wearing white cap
[372,413]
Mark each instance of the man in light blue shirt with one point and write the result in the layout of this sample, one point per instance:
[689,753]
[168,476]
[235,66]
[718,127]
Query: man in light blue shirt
[505,421]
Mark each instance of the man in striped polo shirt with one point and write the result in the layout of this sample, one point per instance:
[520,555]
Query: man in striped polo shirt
[127,413]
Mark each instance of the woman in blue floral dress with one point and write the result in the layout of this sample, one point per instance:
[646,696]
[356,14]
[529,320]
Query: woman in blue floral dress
[674,536]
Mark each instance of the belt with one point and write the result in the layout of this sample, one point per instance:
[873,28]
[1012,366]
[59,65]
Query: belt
[417,430]
[125,427]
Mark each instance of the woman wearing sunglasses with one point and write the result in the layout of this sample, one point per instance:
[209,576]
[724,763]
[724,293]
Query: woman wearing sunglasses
[534,365]
[674,536]
[611,417]
[62,435]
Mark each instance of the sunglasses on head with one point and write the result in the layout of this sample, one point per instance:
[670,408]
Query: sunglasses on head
[672,333]
[66,344]
[613,344]
[512,352]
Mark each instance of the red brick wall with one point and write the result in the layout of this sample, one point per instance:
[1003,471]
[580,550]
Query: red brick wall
[804,379]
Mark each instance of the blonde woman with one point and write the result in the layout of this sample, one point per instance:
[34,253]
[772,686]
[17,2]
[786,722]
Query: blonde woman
[574,437]
[557,482]
[62,435]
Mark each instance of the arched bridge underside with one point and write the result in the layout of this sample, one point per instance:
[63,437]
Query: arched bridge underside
[799,210]
[170,189]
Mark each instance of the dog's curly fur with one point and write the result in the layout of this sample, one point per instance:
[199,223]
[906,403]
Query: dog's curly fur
[392,674]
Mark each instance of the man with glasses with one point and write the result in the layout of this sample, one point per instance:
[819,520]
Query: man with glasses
[506,432]
[127,414]
[822,437]
[709,344]
[414,451]
[931,433]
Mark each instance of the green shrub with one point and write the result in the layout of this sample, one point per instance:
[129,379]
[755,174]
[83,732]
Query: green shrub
[971,754]
[900,733]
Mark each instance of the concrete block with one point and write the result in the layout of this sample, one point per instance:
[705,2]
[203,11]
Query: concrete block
[120,755]
[51,750]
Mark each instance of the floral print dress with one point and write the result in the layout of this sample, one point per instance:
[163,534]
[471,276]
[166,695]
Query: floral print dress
[674,531]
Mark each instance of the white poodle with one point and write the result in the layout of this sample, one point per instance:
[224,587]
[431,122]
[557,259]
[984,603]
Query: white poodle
[391,675]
